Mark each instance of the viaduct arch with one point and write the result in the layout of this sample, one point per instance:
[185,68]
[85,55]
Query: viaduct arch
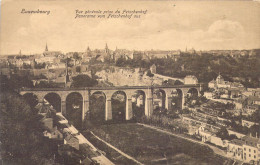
[109,91]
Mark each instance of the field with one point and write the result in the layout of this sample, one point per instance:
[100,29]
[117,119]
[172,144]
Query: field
[151,147]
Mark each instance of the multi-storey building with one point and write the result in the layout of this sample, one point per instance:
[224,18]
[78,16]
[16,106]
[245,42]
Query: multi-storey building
[246,149]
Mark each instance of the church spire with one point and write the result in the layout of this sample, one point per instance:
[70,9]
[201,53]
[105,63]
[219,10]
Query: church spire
[46,48]
[106,49]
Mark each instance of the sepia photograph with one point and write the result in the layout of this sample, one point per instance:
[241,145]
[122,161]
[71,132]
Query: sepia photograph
[130,82]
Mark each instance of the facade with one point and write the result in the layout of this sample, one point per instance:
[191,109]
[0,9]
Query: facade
[235,149]
[190,79]
[209,95]
[72,141]
[246,149]
[208,135]
[153,69]
[248,124]
[251,149]
[221,83]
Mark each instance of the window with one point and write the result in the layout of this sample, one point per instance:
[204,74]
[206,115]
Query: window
[249,155]
[249,150]
[254,151]
[254,156]
[244,148]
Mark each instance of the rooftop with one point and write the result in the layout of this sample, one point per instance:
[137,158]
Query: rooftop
[237,142]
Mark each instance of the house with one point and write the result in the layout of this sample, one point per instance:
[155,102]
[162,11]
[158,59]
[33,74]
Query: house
[221,83]
[190,79]
[238,105]
[71,141]
[238,135]
[253,100]
[248,124]
[47,123]
[53,134]
[251,149]
[100,58]
[153,69]
[234,93]
[212,84]
[235,149]
[250,109]
[208,95]
[209,135]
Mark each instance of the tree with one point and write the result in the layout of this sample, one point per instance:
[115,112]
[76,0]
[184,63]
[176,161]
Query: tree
[16,81]
[149,73]
[76,56]
[78,69]
[254,130]
[223,133]
[83,81]
[21,132]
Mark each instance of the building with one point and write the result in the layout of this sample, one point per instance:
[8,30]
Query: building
[71,141]
[53,134]
[208,95]
[253,100]
[190,79]
[221,83]
[246,149]
[47,53]
[251,149]
[209,135]
[235,149]
[153,69]
[248,124]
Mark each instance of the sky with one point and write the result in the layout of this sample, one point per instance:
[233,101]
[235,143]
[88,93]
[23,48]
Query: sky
[167,25]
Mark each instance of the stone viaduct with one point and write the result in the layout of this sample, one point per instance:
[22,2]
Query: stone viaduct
[129,91]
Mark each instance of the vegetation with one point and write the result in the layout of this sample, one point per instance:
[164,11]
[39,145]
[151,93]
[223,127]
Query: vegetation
[253,130]
[83,81]
[160,146]
[205,67]
[223,134]
[22,141]
[149,73]
[97,109]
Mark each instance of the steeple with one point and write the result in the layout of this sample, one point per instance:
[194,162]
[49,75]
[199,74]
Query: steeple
[88,49]
[46,48]
[20,53]
[106,49]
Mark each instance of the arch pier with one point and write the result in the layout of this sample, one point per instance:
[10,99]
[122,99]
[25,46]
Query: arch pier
[129,91]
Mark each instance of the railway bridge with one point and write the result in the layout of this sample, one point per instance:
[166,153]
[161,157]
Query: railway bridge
[129,91]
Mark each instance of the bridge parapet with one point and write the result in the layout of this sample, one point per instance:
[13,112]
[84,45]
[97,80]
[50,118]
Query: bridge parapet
[112,88]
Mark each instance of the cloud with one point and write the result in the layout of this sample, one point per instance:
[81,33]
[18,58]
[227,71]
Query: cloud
[167,27]
[225,30]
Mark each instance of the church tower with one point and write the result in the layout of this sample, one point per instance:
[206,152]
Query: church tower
[46,48]
[106,49]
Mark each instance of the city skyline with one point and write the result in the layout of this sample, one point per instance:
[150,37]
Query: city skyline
[21,52]
[166,26]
